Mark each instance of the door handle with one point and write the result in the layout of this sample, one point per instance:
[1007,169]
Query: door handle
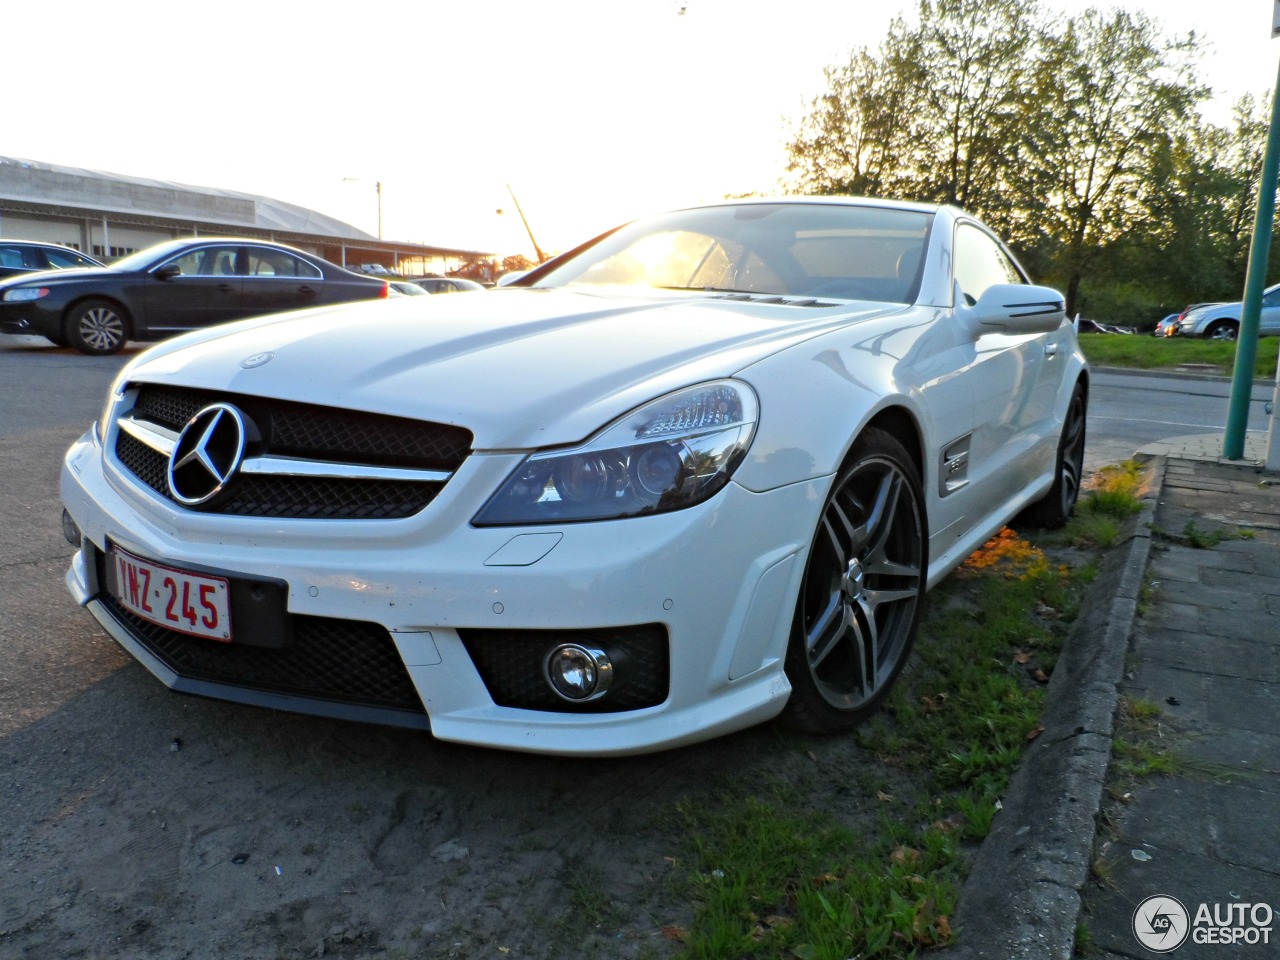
[307,291]
[225,287]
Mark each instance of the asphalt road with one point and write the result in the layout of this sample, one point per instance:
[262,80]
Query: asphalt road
[1129,410]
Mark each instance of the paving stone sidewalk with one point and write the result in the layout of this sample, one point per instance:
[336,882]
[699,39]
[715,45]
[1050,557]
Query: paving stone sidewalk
[1205,650]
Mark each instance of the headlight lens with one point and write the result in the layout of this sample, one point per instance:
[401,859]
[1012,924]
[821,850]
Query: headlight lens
[671,453]
[23,294]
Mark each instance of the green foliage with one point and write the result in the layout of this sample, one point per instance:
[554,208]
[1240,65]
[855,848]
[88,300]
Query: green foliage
[1078,137]
[1155,353]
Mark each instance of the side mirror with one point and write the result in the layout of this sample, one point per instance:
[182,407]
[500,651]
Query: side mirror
[1015,308]
[168,272]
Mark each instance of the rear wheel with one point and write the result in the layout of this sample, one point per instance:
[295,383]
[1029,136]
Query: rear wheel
[1223,330]
[863,588]
[97,327]
[1054,509]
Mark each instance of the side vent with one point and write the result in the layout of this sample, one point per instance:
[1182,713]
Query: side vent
[953,471]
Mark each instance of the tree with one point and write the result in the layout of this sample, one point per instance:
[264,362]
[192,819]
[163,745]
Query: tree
[1107,98]
[1078,139]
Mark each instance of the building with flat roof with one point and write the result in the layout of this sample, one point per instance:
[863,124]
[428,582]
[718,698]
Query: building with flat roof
[109,215]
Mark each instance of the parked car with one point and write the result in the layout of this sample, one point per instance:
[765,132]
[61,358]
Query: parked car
[406,288]
[1163,326]
[694,475]
[1097,326]
[1221,321]
[174,286]
[27,256]
[447,284]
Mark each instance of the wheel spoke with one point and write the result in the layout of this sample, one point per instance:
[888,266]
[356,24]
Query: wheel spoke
[827,631]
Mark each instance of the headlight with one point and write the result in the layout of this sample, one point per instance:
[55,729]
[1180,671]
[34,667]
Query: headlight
[23,294]
[114,396]
[671,453]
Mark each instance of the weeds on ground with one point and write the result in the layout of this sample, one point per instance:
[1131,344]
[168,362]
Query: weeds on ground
[769,877]
[1192,536]
[1114,494]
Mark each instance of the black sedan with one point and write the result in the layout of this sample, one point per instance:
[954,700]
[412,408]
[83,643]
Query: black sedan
[171,287]
[27,256]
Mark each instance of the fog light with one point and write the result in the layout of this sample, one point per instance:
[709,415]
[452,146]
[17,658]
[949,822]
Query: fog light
[70,530]
[578,674]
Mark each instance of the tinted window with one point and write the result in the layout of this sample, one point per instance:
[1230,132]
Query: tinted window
[277,263]
[206,262]
[68,258]
[981,263]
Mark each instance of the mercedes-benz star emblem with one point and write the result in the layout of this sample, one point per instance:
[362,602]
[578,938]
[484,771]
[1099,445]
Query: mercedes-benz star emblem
[257,360]
[207,454]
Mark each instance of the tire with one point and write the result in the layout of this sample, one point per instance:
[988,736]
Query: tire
[1222,330]
[96,327]
[1054,509]
[863,589]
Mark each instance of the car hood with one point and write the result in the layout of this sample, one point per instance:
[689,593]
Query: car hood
[55,276]
[519,368]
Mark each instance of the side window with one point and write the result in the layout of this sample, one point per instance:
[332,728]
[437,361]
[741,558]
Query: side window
[68,258]
[1271,299]
[980,263]
[11,257]
[206,262]
[276,263]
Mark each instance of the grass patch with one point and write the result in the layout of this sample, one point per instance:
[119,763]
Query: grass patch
[768,875]
[1113,495]
[1168,353]
[1192,536]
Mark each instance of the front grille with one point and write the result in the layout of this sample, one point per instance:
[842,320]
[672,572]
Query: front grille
[510,664]
[344,661]
[311,433]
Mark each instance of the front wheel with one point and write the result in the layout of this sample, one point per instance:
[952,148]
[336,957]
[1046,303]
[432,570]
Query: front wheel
[96,327]
[1223,330]
[863,589]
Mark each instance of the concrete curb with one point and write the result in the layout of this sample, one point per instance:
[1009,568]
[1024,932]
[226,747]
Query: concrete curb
[1022,898]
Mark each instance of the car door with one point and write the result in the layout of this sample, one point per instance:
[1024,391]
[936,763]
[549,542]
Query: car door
[193,289]
[1012,392]
[277,280]
[1269,324]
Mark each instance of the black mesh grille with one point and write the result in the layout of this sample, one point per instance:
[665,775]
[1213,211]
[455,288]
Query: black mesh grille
[347,661]
[310,433]
[510,663]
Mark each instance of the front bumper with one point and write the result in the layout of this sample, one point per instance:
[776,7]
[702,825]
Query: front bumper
[719,580]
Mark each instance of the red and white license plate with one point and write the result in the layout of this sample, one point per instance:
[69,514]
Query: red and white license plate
[188,602]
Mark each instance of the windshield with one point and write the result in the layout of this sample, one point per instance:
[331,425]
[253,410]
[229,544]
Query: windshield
[775,249]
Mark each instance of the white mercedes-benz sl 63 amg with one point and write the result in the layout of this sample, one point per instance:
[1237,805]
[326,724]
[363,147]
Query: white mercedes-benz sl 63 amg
[695,474]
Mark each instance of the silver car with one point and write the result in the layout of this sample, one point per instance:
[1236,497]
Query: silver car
[1221,321]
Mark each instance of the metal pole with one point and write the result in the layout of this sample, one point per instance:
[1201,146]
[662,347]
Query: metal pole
[1255,282]
[379,185]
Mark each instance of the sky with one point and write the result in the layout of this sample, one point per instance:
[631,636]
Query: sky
[591,111]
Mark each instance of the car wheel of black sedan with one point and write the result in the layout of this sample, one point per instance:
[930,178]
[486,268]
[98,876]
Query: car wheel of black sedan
[863,589]
[1054,509]
[96,327]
